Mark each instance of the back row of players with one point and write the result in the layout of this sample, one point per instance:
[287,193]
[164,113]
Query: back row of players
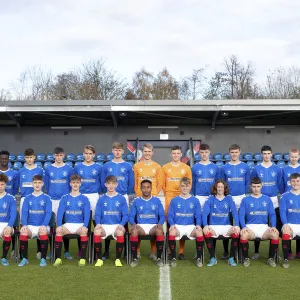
[168,178]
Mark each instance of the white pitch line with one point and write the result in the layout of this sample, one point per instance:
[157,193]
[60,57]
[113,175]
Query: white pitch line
[164,283]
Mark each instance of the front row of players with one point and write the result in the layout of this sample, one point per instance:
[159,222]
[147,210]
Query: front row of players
[147,218]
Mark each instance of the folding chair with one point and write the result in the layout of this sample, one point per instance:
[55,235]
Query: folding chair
[77,236]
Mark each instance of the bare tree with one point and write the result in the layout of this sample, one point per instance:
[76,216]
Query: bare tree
[217,87]
[5,95]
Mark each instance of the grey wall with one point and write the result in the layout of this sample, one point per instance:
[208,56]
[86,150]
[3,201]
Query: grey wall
[42,139]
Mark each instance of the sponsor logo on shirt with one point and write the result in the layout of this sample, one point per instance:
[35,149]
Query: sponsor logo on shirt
[4,205]
[258,213]
[36,212]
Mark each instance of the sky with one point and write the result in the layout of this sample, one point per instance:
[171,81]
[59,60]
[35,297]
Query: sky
[180,35]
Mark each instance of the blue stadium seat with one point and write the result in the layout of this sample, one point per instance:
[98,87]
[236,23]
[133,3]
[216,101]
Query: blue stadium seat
[250,163]
[248,156]
[219,163]
[20,157]
[130,157]
[79,157]
[77,162]
[47,164]
[218,156]
[100,157]
[100,162]
[17,165]
[281,164]
[257,156]
[12,157]
[227,157]
[286,156]
[197,157]
[40,157]
[50,157]
[109,157]
[69,163]
[39,164]
[70,157]
[278,156]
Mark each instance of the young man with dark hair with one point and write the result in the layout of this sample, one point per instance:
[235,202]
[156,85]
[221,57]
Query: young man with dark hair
[290,215]
[8,213]
[57,184]
[173,172]
[111,215]
[292,167]
[237,175]
[150,170]
[36,214]
[184,217]
[74,208]
[26,174]
[255,213]
[147,217]
[12,185]
[272,184]
[125,176]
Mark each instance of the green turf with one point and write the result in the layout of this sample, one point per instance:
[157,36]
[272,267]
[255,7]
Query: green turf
[259,281]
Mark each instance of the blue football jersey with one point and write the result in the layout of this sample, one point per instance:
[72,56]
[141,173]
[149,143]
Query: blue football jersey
[287,171]
[36,210]
[219,211]
[91,178]
[257,211]
[148,211]
[8,209]
[12,186]
[111,210]
[290,208]
[25,179]
[124,173]
[57,181]
[184,211]
[204,176]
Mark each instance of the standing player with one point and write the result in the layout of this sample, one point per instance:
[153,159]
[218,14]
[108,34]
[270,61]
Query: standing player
[292,167]
[150,170]
[90,172]
[25,180]
[111,216]
[173,172]
[255,213]
[8,213]
[124,173]
[272,184]
[36,214]
[290,215]
[57,184]
[217,209]
[237,175]
[147,217]
[184,217]
[12,185]
[74,208]
[204,173]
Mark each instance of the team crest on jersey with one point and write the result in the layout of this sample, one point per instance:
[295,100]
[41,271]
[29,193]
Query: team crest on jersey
[211,171]
[94,172]
[42,202]
[79,203]
[65,173]
[51,174]
[261,175]
[141,170]
[264,203]
[68,203]
[251,205]
[215,206]
[242,171]
[182,171]
[291,201]
[123,170]
[178,206]
[153,171]
[273,174]
[199,172]
[10,178]
[192,205]
[288,174]
[117,204]
[109,169]
[153,206]
[226,205]
[141,207]
[23,176]
[81,172]
[228,172]
[4,205]
[169,170]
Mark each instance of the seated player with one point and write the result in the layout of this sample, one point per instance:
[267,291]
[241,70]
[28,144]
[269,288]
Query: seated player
[111,215]
[74,208]
[217,209]
[147,217]
[184,217]
[8,213]
[254,214]
[36,214]
[290,215]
